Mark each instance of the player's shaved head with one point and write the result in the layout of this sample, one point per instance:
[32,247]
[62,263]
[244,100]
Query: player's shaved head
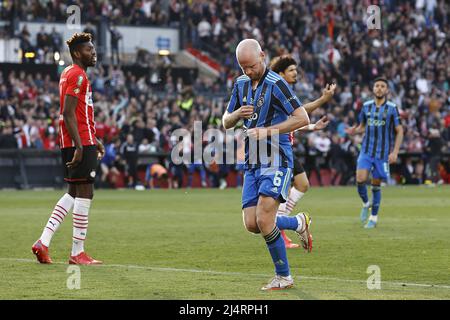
[248,48]
[251,58]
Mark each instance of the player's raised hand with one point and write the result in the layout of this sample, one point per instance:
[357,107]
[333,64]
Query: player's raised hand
[77,157]
[328,91]
[245,112]
[321,124]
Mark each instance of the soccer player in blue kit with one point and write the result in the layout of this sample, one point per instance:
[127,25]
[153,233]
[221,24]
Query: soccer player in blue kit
[270,110]
[379,120]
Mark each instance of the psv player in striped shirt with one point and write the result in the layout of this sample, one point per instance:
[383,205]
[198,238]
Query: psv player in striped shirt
[80,151]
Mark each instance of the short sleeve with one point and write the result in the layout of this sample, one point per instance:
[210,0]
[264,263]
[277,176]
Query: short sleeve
[288,99]
[234,103]
[75,83]
[362,116]
[395,116]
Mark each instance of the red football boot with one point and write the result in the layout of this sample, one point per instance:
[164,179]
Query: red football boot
[41,252]
[84,259]
[288,242]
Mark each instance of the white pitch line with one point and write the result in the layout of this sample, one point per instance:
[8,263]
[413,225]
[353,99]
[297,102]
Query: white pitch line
[226,273]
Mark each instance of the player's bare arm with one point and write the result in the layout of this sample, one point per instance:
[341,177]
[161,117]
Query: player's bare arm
[299,118]
[100,149]
[319,125]
[398,141]
[229,120]
[327,95]
[70,120]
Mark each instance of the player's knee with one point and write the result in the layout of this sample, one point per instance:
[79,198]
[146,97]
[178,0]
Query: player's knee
[361,180]
[251,227]
[72,191]
[85,191]
[376,183]
[264,222]
[303,187]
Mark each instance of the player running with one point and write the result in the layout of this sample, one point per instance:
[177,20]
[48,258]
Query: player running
[286,67]
[80,151]
[270,111]
[379,120]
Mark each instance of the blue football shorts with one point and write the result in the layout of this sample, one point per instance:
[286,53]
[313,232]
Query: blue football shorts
[379,168]
[272,182]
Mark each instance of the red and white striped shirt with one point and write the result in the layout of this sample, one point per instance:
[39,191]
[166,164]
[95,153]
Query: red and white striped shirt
[74,82]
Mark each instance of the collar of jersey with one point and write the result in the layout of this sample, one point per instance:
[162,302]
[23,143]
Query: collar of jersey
[261,81]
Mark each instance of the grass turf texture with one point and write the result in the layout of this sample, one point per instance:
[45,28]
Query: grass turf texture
[191,244]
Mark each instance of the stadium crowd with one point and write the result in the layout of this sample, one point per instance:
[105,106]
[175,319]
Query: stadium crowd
[329,39]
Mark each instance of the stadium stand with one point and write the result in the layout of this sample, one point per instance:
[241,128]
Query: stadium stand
[331,42]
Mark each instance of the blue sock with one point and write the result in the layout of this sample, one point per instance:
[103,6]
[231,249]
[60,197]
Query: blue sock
[287,223]
[362,190]
[277,250]
[376,199]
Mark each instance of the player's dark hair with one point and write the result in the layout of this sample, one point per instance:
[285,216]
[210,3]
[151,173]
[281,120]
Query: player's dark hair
[280,64]
[381,79]
[77,39]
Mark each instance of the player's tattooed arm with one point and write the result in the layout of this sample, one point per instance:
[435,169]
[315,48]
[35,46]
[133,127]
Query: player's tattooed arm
[70,120]
[327,95]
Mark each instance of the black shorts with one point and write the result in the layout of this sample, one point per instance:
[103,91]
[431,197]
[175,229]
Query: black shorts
[85,171]
[298,168]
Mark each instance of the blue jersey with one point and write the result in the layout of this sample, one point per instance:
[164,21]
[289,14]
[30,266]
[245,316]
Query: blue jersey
[273,101]
[380,124]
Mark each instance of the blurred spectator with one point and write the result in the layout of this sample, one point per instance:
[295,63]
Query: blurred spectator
[155,175]
[7,139]
[129,153]
[116,36]
[89,28]
[110,164]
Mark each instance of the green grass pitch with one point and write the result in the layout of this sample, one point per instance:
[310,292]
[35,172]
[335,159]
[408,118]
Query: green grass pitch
[191,244]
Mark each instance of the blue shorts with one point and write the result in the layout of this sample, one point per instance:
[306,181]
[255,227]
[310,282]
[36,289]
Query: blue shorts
[271,182]
[379,168]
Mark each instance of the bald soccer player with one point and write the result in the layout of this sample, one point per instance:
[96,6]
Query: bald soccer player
[270,110]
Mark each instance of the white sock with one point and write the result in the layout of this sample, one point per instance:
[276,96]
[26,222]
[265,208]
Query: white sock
[80,224]
[367,204]
[373,218]
[294,197]
[62,208]
[300,224]
[282,209]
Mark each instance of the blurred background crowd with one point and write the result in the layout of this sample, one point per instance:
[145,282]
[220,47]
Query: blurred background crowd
[137,114]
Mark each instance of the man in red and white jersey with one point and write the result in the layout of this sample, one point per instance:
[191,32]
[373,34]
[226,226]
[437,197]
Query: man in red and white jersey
[80,151]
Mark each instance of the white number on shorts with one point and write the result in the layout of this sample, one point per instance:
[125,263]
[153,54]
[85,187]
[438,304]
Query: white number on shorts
[277,180]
